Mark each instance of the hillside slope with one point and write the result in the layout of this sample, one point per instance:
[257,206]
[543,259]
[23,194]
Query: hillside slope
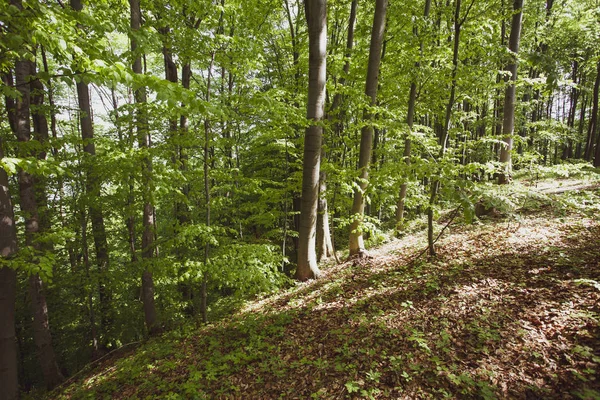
[509,309]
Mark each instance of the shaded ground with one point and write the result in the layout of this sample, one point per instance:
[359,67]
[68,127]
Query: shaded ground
[507,310]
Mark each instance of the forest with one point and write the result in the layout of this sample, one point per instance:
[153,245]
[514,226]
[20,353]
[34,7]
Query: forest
[296,199]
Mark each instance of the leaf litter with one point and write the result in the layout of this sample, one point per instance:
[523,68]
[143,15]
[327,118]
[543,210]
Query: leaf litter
[506,310]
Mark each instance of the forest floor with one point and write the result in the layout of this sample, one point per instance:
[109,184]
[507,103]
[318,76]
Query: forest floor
[510,308]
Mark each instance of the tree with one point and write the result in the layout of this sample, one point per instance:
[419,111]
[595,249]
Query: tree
[410,117]
[366,136]
[445,129]
[8,286]
[593,125]
[337,114]
[316,17]
[144,138]
[508,124]
[24,70]
[92,186]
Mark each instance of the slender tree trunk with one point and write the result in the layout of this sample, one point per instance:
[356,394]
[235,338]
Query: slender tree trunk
[206,170]
[579,150]
[171,75]
[435,185]
[508,125]
[148,214]
[497,127]
[537,114]
[366,138]
[183,211]
[597,152]
[573,101]
[316,16]
[324,242]
[83,224]
[293,27]
[325,236]
[8,286]
[92,188]
[129,211]
[207,135]
[412,99]
[589,146]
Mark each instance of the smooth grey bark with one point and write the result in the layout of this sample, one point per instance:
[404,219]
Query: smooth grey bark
[325,236]
[357,245]
[145,143]
[316,17]
[92,188]
[324,243]
[508,122]
[8,287]
[412,98]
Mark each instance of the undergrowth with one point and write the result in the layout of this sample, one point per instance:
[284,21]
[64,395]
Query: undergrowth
[508,309]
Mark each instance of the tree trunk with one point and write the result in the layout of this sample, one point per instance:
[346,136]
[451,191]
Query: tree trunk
[497,126]
[8,286]
[92,188]
[206,173]
[324,242]
[148,213]
[186,77]
[203,289]
[573,101]
[412,98]
[508,125]
[325,236]
[180,208]
[29,206]
[366,137]
[589,146]
[316,17]
[435,185]
[580,127]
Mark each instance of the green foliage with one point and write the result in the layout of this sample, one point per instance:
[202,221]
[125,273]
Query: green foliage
[227,155]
